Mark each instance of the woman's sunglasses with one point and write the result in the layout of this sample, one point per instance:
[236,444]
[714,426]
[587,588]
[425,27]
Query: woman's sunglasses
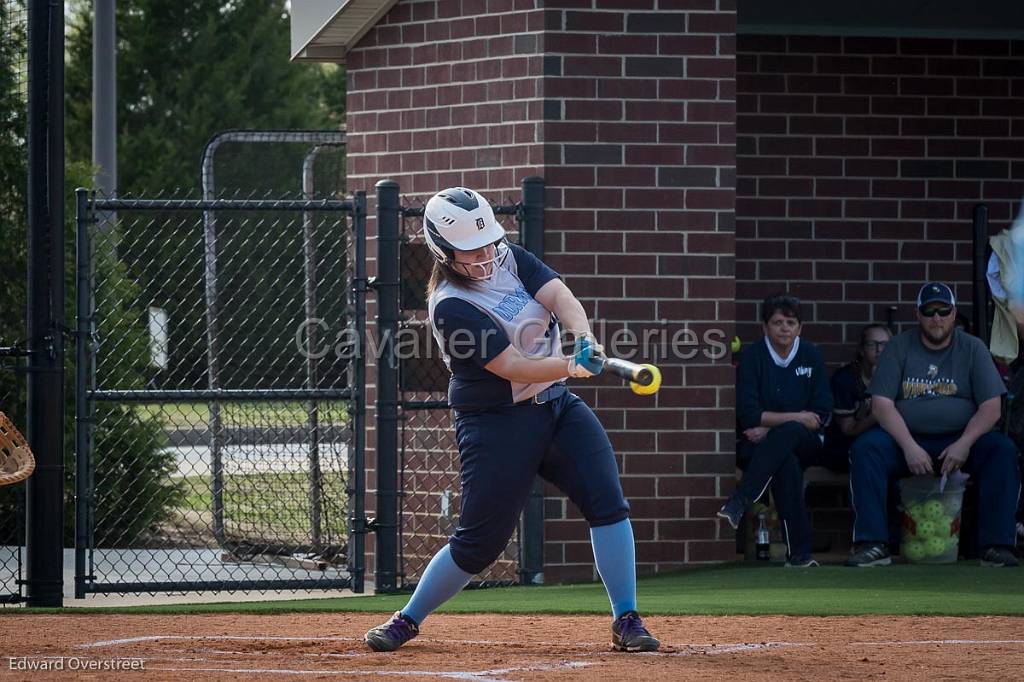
[941,311]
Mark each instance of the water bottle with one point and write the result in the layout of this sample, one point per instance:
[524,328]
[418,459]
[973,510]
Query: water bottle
[763,547]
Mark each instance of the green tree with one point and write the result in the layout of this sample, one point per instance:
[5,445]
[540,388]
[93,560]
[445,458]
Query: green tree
[129,450]
[189,69]
[13,181]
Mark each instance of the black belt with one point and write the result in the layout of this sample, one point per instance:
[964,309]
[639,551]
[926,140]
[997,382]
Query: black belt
[548,394]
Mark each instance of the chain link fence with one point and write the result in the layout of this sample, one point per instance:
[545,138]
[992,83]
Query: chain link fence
[13,235]
[222,384]
[429,486]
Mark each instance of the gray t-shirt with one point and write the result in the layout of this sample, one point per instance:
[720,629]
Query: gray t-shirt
[936,391]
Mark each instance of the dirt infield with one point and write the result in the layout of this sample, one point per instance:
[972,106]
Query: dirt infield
[487,648]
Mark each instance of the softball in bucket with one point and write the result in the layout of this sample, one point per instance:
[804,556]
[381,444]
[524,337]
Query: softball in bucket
[931,519]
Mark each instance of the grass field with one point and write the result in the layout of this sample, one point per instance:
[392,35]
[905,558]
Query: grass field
[270,500]
[197,415]
[964,589]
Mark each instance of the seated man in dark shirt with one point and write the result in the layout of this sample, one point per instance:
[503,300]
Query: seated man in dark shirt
[782,404]
[937,395]
[852,415]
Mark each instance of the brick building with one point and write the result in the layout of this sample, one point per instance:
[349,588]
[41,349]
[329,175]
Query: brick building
[689,173]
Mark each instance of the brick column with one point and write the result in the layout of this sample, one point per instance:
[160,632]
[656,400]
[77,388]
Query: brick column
[627,110]
[639,158]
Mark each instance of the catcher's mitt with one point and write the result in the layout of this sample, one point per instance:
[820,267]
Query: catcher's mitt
[16,460]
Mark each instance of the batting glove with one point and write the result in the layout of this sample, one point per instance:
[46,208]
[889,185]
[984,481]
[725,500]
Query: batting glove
[587,357]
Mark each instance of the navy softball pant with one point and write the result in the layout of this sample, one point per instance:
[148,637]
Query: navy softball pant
[502,449]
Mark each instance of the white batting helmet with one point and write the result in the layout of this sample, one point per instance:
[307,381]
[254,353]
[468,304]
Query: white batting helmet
[459,219]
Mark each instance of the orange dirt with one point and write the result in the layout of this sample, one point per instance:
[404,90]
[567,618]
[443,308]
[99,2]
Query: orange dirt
[487,648]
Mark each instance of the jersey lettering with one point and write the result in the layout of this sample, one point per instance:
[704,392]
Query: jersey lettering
[512,304]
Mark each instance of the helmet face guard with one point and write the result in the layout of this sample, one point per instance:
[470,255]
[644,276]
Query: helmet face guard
[459,219]
[481,270]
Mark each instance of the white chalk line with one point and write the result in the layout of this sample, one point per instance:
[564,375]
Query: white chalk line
[717,649]
[230,638]
[307,654]
[272,638]
[491,675]
[739,646]
[494,675]
[917,642]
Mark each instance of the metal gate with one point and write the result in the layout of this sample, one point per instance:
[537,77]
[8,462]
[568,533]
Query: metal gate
[220,394]
[428,489]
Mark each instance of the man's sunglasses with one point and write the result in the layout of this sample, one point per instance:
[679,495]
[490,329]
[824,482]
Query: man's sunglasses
[941,311]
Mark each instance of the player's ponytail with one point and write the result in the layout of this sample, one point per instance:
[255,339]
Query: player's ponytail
[440,274]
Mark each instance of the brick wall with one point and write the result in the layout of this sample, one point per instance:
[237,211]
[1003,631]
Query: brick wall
[627,109]
[639,152]
[447,93]
[860,161]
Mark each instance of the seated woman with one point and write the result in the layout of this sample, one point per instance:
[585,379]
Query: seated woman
[852,414]
[783,402]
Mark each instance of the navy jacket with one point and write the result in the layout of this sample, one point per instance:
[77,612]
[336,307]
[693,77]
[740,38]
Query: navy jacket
[763,386]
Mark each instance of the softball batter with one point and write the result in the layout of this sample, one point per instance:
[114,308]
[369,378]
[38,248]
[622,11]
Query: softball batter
[495,310]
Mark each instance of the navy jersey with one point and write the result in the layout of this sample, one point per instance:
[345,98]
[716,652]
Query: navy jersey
[848,395]
[474,322]
[764,386]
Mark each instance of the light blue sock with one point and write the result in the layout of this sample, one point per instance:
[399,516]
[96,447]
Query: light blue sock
[442,580]
[615,556]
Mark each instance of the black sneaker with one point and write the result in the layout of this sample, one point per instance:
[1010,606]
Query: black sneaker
[806,561]
[999,556]
[629,634]
[392,634]
[733,510]
[873,554]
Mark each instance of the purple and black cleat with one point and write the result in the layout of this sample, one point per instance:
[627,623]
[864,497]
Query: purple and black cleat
[629,634]
[392,634]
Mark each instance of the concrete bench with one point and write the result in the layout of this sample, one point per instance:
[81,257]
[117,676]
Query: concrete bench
[823,476]
[818,476]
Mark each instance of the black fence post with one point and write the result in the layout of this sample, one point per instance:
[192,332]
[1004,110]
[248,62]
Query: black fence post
[357,521]
[83,415]
[44,491]
[387,285]
[531,235]
[979,312]
[531,537]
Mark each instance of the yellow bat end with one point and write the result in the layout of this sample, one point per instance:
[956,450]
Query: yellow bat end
[651,388]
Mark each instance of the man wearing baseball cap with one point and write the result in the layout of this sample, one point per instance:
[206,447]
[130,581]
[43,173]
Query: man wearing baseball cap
[937,396]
